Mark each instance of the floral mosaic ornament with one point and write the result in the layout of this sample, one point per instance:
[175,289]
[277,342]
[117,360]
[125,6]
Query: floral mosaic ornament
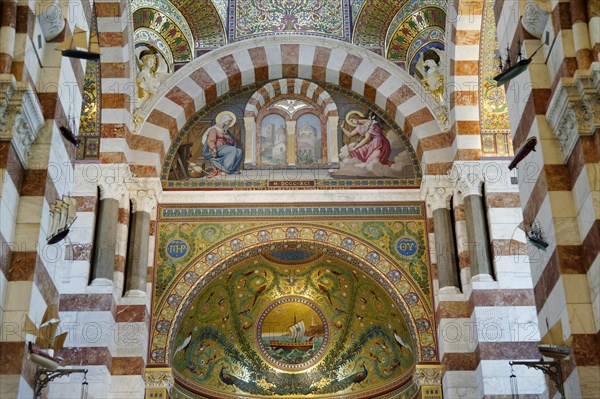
[250,18]
[494,121]
[167,29]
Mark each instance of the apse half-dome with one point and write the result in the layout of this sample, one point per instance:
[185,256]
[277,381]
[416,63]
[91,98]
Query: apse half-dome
[293,323]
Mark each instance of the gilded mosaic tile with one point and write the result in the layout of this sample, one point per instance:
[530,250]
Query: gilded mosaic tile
[89,125]
[203,252]
[167,29]
[495,125]
[251,18]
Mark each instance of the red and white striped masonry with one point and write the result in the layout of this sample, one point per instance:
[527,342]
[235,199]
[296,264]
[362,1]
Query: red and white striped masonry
[231,67]
[463,39]
[31,270]
[561,193]
[300,87]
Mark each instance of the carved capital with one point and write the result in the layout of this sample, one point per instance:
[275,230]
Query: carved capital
[158,380]
[144,193]
[143,200]
[113,181]
[428,374]
[438,197]
[535,17]
[470,184]
[21,115]
[575,108]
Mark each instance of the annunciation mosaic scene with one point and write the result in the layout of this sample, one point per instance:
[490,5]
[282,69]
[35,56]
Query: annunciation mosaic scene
[291,133]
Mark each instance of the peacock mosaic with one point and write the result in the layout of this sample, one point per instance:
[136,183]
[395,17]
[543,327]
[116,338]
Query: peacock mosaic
[288,302]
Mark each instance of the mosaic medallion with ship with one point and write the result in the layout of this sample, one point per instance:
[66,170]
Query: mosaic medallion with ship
[292,333]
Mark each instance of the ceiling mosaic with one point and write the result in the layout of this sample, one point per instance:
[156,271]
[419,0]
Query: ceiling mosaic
[284,328]
[494,121]
[292,301]
[415,32]
[201,22]
[251,18]
[371,24]
[167,29]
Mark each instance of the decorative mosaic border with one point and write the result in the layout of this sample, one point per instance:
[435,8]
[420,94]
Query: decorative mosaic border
[191,212]
[407,390]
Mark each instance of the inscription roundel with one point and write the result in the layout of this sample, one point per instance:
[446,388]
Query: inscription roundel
[406,246]
[177,248]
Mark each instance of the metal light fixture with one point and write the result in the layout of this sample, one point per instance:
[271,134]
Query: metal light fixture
[84,386]
[514,388]
[44,376]
[550,368]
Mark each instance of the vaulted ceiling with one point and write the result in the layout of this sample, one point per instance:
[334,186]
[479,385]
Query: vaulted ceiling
[397,29]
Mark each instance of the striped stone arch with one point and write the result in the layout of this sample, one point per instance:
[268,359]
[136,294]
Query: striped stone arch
[325,61]
[301,87]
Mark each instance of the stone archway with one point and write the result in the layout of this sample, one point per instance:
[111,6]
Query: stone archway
[234,66]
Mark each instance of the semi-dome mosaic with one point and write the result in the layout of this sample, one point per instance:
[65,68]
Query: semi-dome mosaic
[291,324]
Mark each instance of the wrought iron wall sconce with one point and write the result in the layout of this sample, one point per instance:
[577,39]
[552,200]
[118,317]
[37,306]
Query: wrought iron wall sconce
[550,368]
[44,376]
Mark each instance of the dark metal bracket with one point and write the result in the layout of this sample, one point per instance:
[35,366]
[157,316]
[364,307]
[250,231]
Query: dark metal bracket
[44,376]
[551,369]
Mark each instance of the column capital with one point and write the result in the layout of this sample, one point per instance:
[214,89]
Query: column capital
[144,193]
[158,380]
[575,108]
[143,200]
[429,377]
[470,184]
[21,117]
[113,180]
[429,374]
[436,196]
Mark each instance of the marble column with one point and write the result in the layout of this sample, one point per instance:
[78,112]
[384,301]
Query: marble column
[477,234]
[105,241]
[593,12]
[136,270]
[438,199]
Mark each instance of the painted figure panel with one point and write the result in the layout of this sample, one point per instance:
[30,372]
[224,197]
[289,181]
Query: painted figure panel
[289,142]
